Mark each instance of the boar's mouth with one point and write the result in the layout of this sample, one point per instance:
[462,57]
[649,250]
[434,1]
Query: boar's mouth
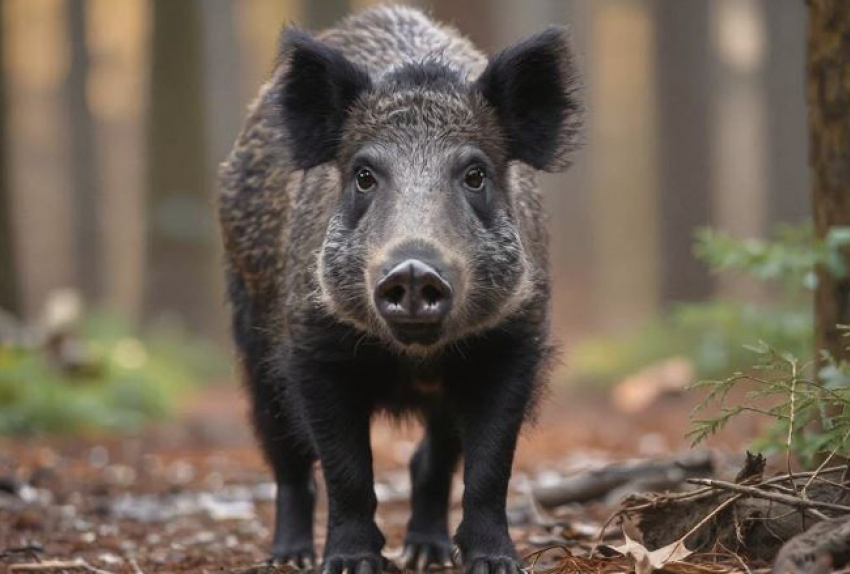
[416,333]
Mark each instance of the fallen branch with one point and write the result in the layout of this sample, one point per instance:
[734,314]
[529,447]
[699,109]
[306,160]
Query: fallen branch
[656,475]
[29,549]
[773,496]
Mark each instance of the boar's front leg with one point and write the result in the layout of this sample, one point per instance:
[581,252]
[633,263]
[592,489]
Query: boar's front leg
[338,419]
[491,414]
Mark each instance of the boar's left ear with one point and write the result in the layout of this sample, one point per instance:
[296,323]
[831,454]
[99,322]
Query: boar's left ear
[318,88]
[532,87]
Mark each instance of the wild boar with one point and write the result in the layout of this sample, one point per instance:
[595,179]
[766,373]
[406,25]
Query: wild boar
[386,252]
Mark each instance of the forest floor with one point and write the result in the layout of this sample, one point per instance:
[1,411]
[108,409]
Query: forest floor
[194,495]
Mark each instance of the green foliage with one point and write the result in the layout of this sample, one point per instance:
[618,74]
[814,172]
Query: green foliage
[789,259]
[809,415]
[128,380]
[809,412]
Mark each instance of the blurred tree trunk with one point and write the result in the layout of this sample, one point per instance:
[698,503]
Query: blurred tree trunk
[180,261]
[258,28]
[82,162]
[320,15]
[474,19]
[788,174]
[224,111]
[8,276]
[740,141]
[117,39]
[684,155]
[37,151]
[829,136]
[624,212]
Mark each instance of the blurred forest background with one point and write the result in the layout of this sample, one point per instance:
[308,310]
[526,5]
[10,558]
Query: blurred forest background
[115,114]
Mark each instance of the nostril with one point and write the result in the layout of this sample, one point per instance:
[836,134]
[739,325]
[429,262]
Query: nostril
[413,293]
[431,295]
[394,295]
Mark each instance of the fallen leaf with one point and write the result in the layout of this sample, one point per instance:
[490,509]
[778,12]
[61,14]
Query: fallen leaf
[647,561]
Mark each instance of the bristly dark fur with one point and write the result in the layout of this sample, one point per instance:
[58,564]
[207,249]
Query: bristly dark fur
[415,103]
[428,75]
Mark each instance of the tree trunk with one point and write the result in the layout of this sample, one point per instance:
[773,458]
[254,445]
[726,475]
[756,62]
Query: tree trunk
[683,50]
[829,136]
[320,15]
[8,278]
[36,61]
[788,176]
[474,19]
[118,89]
[740,149]
[624,215]
[181,265]
[82,151]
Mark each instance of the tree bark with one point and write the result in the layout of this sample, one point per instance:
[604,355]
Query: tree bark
[829,135]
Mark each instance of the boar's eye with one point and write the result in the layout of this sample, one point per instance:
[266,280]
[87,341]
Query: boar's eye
[474,178]
[365,180]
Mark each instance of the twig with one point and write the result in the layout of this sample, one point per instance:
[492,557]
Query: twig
[604,527]
[780,488]
[738,559]
[782,477]
[77,564]
[822,465]
[791,416]
[774,496]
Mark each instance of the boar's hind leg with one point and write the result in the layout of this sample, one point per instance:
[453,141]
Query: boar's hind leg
[293,531]
[431,469]
[292,464]
[285,445]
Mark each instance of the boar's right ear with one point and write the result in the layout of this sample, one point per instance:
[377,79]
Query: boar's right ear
[532,86]
[318,88]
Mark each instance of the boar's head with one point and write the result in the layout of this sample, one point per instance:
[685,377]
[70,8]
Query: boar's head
[424,246]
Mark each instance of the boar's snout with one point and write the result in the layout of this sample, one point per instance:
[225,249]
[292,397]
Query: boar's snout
[413,298]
